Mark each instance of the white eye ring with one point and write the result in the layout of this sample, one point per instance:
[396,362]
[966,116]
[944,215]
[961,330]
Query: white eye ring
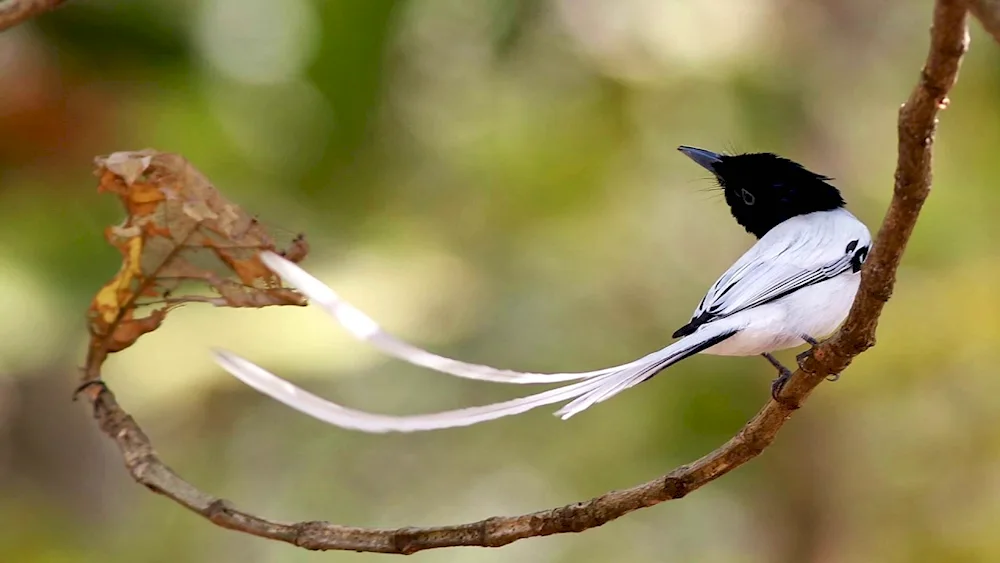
[748,197]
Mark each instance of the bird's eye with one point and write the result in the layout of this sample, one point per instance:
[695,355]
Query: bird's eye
[748,197]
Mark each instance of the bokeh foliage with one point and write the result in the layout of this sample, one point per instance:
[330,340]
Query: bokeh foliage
[497,180]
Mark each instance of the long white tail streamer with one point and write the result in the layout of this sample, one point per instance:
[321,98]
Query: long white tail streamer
[332,413]
[362,327]
[582,394]
[613,384]
[597,386]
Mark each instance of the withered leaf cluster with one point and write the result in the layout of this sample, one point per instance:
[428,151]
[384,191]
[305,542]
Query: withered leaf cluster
[181,242]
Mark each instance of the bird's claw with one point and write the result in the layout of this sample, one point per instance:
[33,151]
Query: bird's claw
[813,343]
[784,374]
[801,358]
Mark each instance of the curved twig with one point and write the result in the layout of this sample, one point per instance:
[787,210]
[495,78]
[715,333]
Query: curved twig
[13,12]
[917,121]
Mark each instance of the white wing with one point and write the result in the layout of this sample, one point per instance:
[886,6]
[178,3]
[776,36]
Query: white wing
[800,252]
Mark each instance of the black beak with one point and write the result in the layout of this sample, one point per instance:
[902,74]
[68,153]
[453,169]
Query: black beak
[706,159]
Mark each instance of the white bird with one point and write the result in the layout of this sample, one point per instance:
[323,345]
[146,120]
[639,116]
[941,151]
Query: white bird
[795,284]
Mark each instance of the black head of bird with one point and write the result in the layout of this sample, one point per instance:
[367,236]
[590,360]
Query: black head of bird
[764,189]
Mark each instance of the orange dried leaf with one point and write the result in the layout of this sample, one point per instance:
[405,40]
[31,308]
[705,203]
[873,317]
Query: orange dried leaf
[237,295]
[179,229]
[129,330]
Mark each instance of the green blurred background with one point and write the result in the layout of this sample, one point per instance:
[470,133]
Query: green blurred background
[496,180]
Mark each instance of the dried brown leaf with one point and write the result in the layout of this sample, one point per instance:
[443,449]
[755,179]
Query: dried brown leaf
[178,229]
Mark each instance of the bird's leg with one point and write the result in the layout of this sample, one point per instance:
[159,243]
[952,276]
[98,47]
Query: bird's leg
[812,344]
[783,375]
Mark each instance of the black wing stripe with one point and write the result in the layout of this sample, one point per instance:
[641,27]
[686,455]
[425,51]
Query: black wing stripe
[792,284]
[656,368]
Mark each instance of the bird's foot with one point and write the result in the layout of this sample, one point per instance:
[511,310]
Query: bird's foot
[813,343]
[800,358]
[784,374]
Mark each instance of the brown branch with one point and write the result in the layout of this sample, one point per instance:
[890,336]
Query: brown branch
[916,128]
[13,12]
[988,14]
[917,120]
